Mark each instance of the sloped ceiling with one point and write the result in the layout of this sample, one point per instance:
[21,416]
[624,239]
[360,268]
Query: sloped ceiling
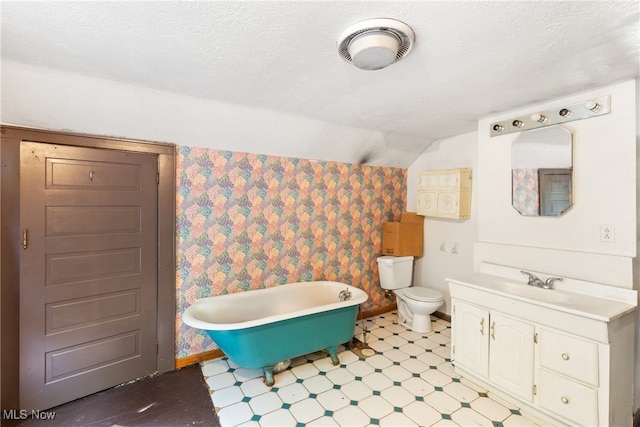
[470,59]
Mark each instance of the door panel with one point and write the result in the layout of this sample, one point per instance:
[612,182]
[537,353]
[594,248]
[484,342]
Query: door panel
[88,296]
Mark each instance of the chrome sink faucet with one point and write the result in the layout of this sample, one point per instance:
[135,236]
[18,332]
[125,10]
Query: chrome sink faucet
[533,280]
[537,282]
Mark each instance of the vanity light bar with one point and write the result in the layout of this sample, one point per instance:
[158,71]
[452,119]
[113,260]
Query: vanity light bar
[583,110]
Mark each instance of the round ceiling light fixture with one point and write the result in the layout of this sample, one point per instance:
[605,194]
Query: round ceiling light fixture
[375,43]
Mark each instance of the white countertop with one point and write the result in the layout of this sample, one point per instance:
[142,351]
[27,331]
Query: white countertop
[603,304]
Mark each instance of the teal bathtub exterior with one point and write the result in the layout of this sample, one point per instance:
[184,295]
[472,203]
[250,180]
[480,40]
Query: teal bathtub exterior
[281,336]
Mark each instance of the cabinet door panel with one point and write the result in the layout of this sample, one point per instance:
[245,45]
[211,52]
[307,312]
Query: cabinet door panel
[511,355]
[471,338]
[568,399]
[570,356]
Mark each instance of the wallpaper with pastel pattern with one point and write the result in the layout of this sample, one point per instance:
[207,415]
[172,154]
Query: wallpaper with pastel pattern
[248,221]
[525,191]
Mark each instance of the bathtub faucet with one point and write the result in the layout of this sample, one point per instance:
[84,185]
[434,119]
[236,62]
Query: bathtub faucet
[344,295]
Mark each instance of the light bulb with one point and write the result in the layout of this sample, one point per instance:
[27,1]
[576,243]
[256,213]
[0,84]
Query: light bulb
[592,105]
[539,118]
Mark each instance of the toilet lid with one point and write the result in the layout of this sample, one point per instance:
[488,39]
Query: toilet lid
[422,294]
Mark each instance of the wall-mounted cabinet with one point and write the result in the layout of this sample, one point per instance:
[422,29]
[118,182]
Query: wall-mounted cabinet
[445,193]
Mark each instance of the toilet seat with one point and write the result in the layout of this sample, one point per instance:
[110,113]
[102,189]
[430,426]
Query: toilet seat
[422,294]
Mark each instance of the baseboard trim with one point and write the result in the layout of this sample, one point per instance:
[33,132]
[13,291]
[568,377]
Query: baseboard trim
[197,358]
[377,311]
[208,355]
[442,316]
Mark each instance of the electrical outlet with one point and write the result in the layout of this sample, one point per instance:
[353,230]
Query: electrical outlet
[607,233]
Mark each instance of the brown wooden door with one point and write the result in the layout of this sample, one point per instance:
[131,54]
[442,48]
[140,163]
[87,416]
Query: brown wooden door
[88,271]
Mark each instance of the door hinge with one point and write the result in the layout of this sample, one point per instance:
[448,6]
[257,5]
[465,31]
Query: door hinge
[535,338]
[158,178]
[453,350]
[535,389]
[454,309]
[157,348]
[25,238]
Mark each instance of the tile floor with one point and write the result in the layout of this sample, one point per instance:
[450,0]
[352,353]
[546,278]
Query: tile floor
[410,381]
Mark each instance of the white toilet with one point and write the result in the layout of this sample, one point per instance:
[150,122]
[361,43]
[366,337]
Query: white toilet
[415,304]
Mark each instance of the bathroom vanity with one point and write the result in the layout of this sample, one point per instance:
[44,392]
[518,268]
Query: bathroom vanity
[564,355]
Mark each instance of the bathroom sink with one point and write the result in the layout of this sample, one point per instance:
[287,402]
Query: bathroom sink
[526,291]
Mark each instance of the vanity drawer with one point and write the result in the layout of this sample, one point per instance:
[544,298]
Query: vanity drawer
[569,355]
[569,399]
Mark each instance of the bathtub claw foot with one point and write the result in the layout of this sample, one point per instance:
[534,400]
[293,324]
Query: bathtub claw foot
[268,376]
[334,357]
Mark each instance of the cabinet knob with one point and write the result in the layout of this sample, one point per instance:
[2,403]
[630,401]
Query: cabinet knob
[565,356]
[564,400]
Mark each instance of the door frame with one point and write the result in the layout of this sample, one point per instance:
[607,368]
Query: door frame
[10,243]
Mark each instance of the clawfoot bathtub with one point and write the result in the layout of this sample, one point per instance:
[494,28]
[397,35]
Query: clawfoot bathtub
[258,329]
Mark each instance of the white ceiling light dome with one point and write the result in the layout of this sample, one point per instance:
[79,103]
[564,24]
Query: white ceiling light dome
[375,43]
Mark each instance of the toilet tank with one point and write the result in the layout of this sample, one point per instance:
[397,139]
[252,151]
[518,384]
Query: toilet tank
[395,271]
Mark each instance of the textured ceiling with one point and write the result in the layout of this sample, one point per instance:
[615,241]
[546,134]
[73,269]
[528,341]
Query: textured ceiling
[470,59]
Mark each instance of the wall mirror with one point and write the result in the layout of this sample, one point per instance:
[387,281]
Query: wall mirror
[541,171]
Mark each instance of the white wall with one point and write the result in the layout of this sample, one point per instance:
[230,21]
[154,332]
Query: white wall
[636,265]
[604,193]
[606,178]
[432,268]
[52,99]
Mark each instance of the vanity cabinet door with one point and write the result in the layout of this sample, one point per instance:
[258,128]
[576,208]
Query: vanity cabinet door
[511,355]
[471,338]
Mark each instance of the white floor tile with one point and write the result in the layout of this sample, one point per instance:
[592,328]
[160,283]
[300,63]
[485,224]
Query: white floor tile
[341,376]
[462,393]
[410,381]
[414,366]
[435,377]
[356,390]
[317,384]
[397,373]
[244,374]
[226,396]
[219,381]
[377,381]
[418,386]
[265,403]
[397,419]
[517,421]
[395,340]
[279,418]
[325,364]
[214,367]
[442,402]
[421,413]
[375,407]
[306,370]
[293,393]
[380,346]
[469,417]
[361,368]
[411,349]
[235,414]
[351,416]
[254,387]
[306,410]
[490,409]
[379,361]
[333,400]
[397,396]
[323,422]
[431,359]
